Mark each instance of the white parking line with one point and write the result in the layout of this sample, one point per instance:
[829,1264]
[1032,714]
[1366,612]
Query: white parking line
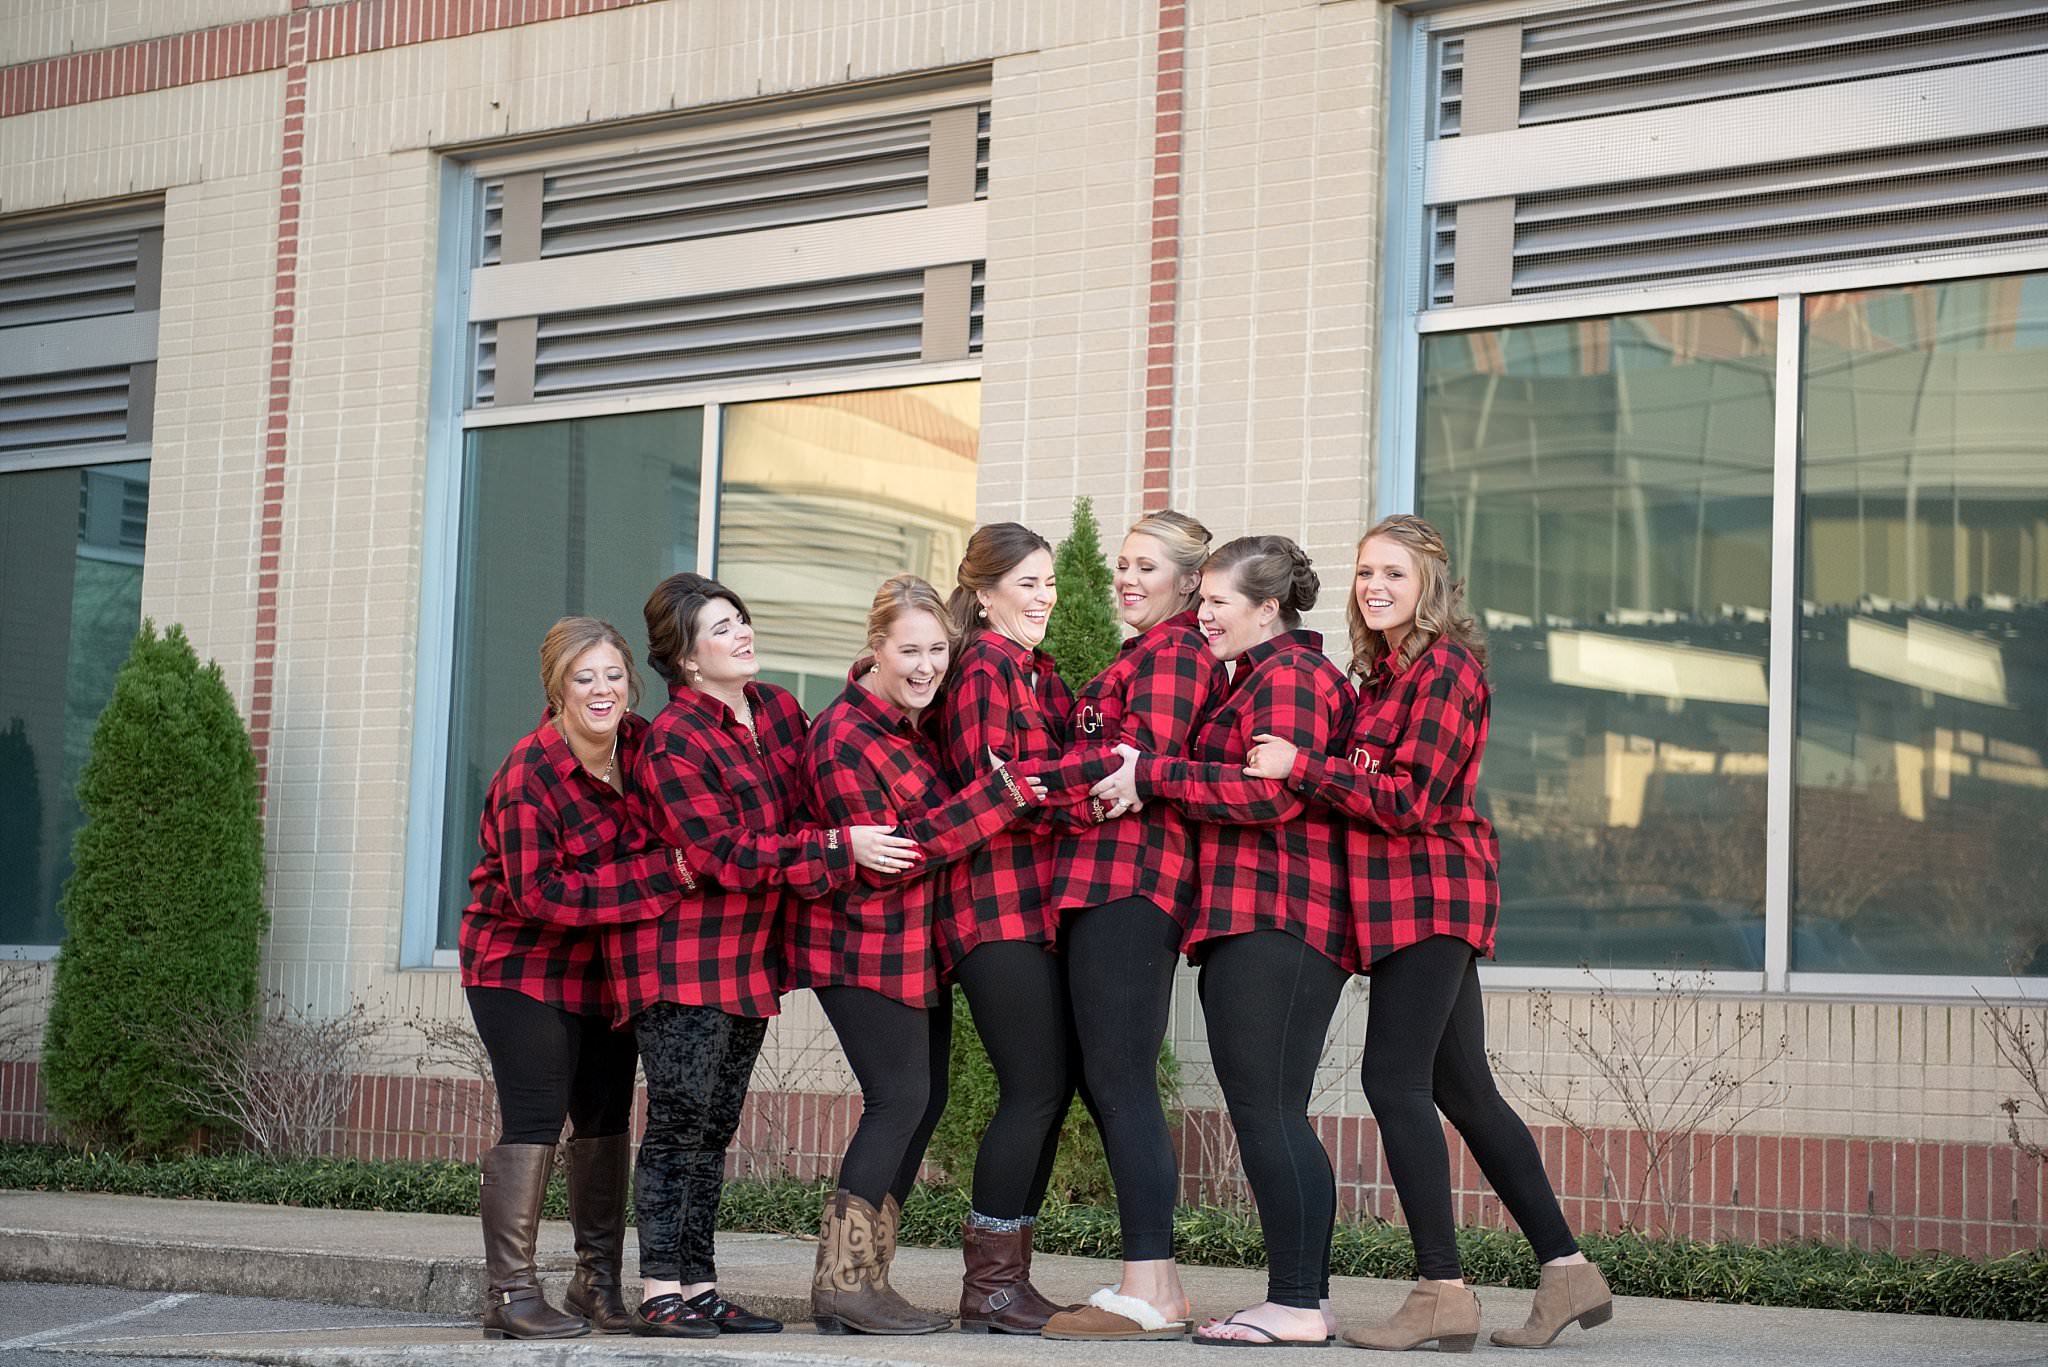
[65,1330]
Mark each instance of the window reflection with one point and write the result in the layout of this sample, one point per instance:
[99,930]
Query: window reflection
[1922,801]
[1605,486]
[581,516]
[822,498]
[71,543]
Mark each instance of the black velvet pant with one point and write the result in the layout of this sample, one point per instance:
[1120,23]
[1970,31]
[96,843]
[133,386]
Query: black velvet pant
[698,1060]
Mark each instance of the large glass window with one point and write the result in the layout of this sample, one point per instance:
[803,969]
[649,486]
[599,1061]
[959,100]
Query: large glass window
[822,498]
[71,544]
[1605,486]
[579,516]
[1921,809]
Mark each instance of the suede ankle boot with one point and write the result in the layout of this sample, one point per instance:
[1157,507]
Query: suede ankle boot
[1574,1292]
[996,1294]
[515,1183]
[1434,1310]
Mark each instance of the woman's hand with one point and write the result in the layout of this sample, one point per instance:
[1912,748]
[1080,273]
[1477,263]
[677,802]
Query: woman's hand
[874,848]
[1270,757]
[1120,789]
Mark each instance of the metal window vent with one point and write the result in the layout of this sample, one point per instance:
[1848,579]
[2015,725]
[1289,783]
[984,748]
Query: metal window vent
[75,408]
[766,180]
[860,322]
[1657,56]
[71,269]
[1909,201]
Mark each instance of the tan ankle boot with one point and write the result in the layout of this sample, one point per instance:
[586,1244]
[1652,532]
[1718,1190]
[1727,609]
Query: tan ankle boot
[1574,1292]
[1434,1310]
[885,1252]
[846,1295]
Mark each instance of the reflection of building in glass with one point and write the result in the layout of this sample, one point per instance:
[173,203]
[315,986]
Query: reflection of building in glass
[822,498]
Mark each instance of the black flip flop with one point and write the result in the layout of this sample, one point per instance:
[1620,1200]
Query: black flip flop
[1272,1340]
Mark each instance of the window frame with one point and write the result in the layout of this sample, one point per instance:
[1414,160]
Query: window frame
[1404,267]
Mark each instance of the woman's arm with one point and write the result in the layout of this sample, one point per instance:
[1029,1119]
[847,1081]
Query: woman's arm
[1284,703]
[849,789]
[688,811]
[639,887]
[1406,793]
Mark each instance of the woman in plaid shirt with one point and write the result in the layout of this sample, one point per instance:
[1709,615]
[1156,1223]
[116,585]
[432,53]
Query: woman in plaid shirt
[1270,927]
[1424,868]
[1123,891]
[561,858]
[867,950]
[1006,704]
[721,779]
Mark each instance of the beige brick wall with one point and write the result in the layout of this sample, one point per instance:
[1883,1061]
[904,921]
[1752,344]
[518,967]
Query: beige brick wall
[31,29]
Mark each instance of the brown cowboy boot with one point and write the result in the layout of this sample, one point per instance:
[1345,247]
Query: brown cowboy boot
[885,1252]
[515,1183]
[599,1171]
[1576,1292]
[996,1294]
[846,1294]
[1434,1310]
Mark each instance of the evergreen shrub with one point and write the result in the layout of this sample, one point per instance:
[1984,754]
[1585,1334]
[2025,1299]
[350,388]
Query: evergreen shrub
[163,912]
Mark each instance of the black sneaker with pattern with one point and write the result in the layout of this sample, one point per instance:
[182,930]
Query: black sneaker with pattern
[730,1318]
[672,1317]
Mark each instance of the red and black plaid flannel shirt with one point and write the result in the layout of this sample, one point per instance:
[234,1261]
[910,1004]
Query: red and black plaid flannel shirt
[1152,697]
[993,709]
[732,804]
[562,859]
[870,766]
[1269,860]
[1422,860]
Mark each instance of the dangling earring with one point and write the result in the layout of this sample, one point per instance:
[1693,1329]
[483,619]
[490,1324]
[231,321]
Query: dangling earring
[982,613]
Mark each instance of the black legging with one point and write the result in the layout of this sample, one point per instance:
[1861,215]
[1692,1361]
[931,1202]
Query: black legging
[1268,999]
[698,1061]
[1018,995]
[549,1065]
[900,1102]
[1425,1051]
[1120,959]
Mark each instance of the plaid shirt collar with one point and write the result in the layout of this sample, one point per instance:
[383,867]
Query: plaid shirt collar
[877,711]
[1247,664]
[710,709]
[1188,621]
[1026,658]
[561,760]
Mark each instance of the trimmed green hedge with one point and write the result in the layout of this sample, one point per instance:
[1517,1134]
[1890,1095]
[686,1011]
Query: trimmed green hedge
[1816,1276]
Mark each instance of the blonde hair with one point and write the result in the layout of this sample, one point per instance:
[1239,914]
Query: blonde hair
[1185,541]
[898,597]
[1439,608]
[1273,567]
[565,644]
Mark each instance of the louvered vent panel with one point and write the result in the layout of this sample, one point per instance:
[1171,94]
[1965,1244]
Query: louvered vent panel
[1450,85]
[1972,193]
[875,320]
[82,270]
[735,185]
[974,308]
[1660,56]
[1443,253]
[486,361]
[77,408]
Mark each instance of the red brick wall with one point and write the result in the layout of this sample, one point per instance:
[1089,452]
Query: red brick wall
[1983,1200]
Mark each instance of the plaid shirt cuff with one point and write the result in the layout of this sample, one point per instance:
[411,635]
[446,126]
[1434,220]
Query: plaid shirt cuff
[1308,774]
[680,866]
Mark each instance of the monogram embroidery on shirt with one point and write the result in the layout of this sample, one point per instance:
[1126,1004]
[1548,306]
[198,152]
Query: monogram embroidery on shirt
[1090,719]
[1365,759]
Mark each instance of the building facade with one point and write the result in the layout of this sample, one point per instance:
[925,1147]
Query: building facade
[366,337]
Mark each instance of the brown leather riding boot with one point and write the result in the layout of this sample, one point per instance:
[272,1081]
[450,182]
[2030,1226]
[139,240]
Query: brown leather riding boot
[846,1295]
[996,1294]
[599,1173]
[514,1186]
[1434,1310]
[1578,1292]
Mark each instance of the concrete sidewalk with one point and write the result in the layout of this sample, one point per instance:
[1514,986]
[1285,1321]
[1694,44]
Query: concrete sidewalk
[431,1264]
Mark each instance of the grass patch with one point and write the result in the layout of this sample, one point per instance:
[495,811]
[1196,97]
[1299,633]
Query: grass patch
[1816,1276]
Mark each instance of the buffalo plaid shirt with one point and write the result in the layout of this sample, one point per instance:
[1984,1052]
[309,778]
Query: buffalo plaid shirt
[562,858]
[1269,860]
[994,709]
[1422,860]
[732,803]
[1152,697]
[869,765]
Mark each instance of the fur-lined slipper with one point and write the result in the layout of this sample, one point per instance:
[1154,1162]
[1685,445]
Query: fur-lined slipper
[1110,1316]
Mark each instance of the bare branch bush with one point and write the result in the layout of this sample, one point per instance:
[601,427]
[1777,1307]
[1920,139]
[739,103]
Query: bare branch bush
[284,1081]
[2020,1035]
[21,988]
[1677,1068]
[793,1062]
[444,1045]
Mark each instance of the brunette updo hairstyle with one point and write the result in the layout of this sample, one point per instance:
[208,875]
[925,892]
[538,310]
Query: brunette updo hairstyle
[1273,567]
[1185,541]
[671,614]
[564,645]
[1439,606]
[992,552]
